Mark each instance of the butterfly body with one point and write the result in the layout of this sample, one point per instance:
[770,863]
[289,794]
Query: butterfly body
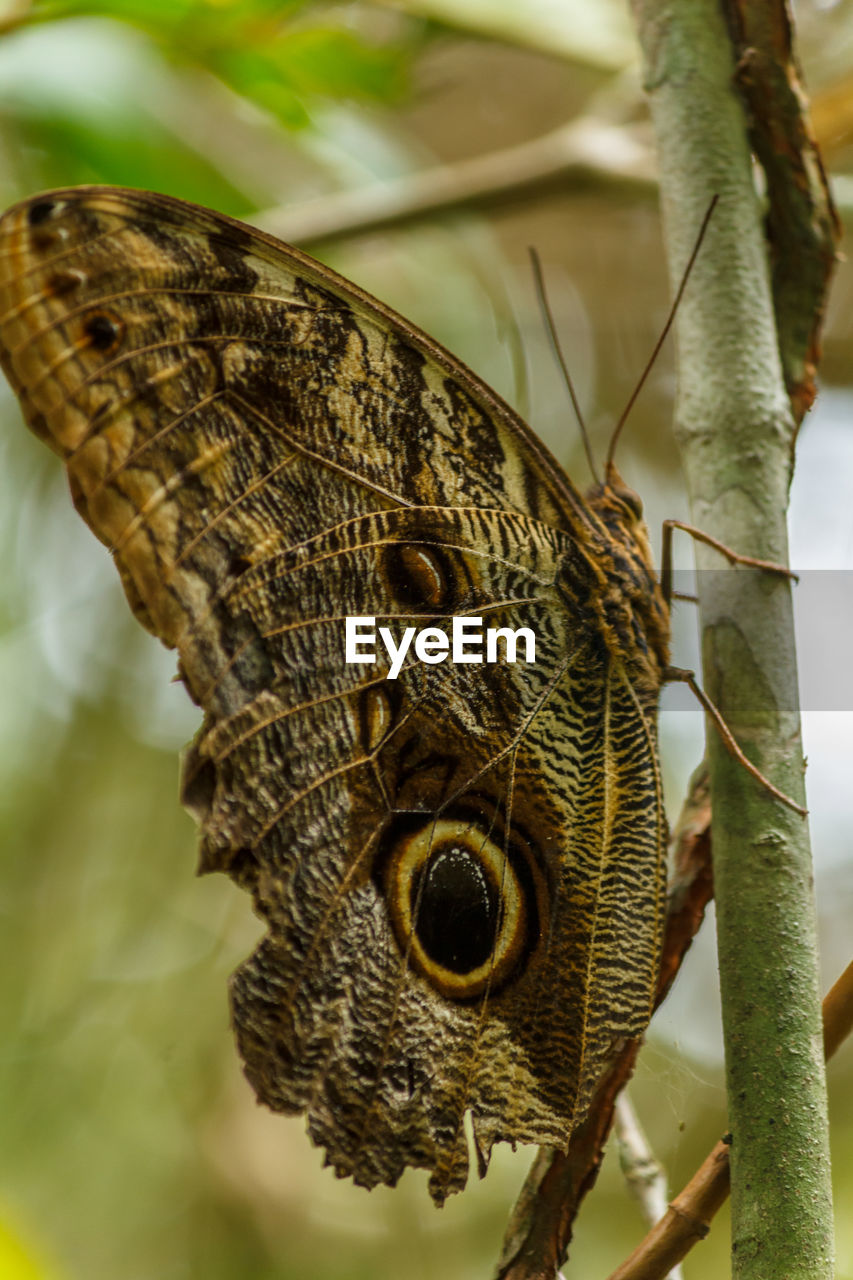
[462,869]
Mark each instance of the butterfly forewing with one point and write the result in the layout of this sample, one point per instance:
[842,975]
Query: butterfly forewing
[460,868]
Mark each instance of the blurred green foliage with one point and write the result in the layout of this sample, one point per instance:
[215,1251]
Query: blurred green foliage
[282,56]
[72,152]
[99,106]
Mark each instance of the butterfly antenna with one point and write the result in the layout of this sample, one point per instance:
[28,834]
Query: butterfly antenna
[551,329]
[662,339]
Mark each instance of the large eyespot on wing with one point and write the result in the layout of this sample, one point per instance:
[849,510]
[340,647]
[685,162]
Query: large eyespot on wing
[465,904]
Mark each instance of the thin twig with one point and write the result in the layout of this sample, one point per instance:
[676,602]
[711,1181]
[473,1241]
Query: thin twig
[644,1174]
[674,674]
[586,151]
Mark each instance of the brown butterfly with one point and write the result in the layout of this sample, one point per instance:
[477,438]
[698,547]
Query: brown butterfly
[461,869]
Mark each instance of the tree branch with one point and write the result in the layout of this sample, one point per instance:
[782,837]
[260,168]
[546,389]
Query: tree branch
[587,151]
[602,149]
[644,1174]
[802,224]
[689,1215]
[736,432]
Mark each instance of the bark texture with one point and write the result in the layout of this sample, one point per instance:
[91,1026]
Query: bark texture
[736,430]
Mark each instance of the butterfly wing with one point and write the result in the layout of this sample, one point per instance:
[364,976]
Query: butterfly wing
[461,867]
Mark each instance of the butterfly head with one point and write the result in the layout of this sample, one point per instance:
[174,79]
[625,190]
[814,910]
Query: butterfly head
[618,506]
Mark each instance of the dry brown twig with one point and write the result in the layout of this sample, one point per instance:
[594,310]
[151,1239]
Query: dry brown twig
[689,1215]
[585,151]
[802,223]
[644,1174]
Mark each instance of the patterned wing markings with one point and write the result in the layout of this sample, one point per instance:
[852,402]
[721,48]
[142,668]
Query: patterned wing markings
[244,273]
[266,450]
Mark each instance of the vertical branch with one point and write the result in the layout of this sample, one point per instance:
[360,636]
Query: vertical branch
[736,431]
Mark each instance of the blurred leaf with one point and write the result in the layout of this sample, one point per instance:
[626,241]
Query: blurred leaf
[268,52]
[72,151]
[86,100]
[253,75]
[184,16]
[323,60]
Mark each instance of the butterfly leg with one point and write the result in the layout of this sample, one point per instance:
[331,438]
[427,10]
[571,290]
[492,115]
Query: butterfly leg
[688,677]
[733,557]
[673,674]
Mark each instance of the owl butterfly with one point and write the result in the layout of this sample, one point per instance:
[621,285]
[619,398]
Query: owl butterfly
[461,870]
